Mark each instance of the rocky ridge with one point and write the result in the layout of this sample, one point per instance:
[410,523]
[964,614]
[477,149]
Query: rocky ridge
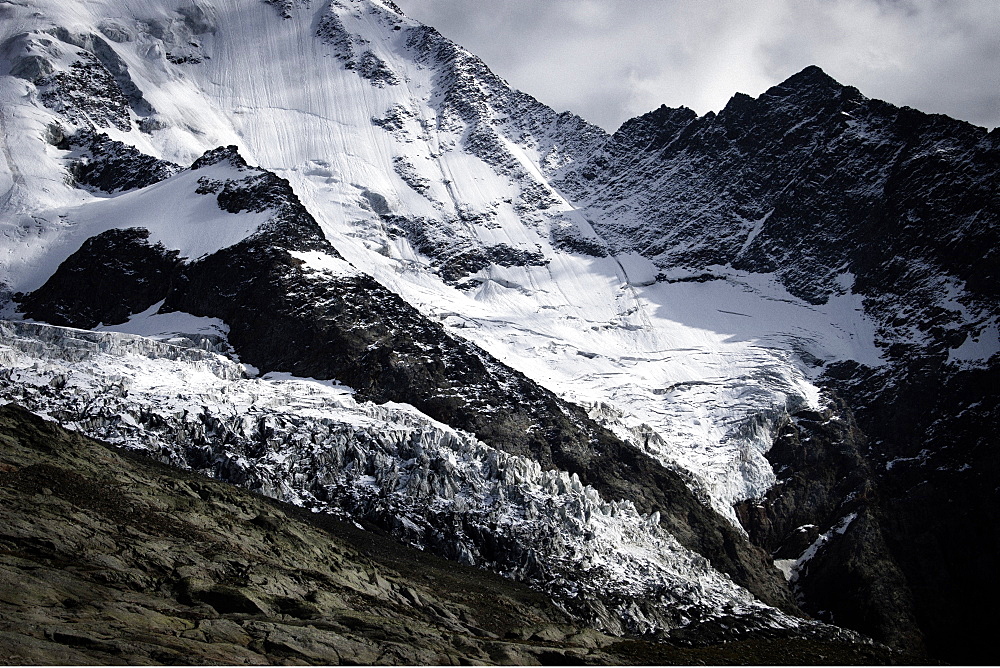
[835,193]
[108,165]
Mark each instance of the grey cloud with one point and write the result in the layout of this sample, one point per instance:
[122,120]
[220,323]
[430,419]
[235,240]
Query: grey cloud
[609,60]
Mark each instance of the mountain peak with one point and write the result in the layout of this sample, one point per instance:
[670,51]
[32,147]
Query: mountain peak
[220,154]
[812,77]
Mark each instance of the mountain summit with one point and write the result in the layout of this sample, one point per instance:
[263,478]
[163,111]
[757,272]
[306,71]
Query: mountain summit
[811,76]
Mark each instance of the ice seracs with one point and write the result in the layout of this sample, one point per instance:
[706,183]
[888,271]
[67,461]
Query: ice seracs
[312,444]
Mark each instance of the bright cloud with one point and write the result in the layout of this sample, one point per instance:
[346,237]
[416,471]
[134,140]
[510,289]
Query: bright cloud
[609,60]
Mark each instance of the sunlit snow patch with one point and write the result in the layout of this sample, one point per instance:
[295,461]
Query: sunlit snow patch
[164,326]
[325,263]
[977,350]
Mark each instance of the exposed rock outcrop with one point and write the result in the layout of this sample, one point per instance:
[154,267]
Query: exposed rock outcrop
[113,275]
[112,166]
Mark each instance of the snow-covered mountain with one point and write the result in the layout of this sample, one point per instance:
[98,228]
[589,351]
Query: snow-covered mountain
[840,197]
[732,330]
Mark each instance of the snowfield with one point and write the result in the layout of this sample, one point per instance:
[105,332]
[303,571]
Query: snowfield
[697,373]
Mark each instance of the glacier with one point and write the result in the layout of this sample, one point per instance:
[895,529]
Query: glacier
[310,443]
[705,386]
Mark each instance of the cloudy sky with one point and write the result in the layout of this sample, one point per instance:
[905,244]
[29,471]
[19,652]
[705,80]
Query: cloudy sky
[610,60]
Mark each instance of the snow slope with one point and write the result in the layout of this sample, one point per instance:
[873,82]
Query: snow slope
[413,158]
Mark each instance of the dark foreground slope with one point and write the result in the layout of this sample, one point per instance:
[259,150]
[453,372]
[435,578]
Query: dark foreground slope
[107,557]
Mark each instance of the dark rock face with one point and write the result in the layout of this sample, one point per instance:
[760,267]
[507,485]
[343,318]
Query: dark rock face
[219,154]
[919,468]
[455,257]
[352,49]
[86,94]
[825,508]
[831,191]
[113,275]
[331,31]
[376,70]
[930,446]
[290,225]
[809,180]
[284,7]
[473,99]
[97,90]
[112,166]
[111,62]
